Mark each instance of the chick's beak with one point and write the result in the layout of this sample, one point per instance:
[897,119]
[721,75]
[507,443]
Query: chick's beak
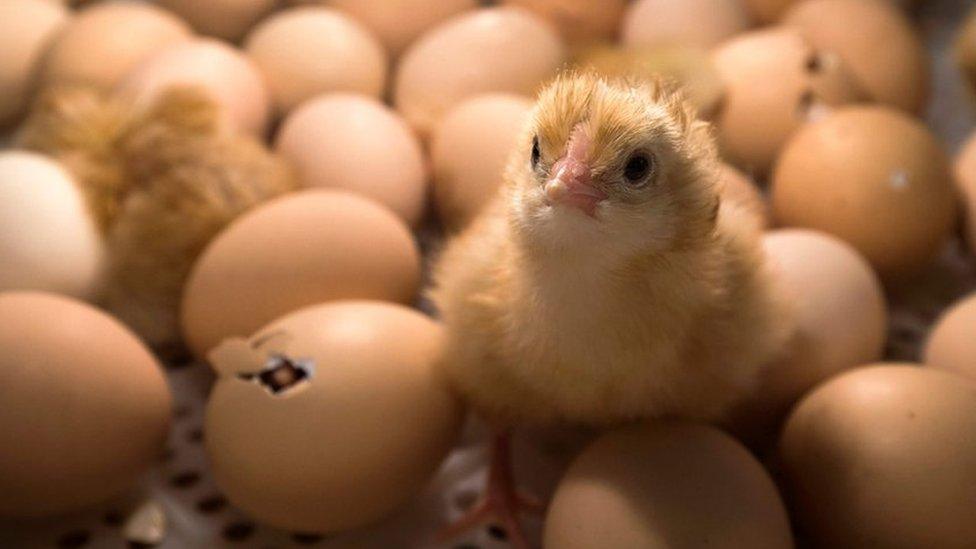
[571,181]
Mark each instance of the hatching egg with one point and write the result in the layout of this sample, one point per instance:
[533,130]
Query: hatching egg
[666,485]
[397,23]
[48,237]
[298,250]
[874,177]
[86,407]
[331,417]
[358,144]
[306,51]
[469,151]
[875,40]
[27,28]
[739,188]
[579,22]
[503,49]
[884,456]
[965,180]
[703,23]
[951,344]
[838,315]
[226,19]
[775,82]
[225,73]
[104,42]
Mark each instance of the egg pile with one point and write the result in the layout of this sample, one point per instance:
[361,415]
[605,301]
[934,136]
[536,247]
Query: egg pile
[328,411]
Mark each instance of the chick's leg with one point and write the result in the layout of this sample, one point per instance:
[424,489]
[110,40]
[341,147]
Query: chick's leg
[501,500]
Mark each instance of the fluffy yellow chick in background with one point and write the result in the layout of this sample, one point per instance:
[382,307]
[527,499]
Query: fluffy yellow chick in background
[607,283]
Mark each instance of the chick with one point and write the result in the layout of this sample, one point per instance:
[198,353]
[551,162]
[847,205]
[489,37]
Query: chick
[607,283]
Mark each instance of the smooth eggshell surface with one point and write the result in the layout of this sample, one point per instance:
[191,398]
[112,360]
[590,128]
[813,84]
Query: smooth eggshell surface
[666,485]
[951,343]
[579,22]
[226,19]
[298,250]
[703,23]
[355,440]
[965,180]
[397,23]
[86,408]
[27,28]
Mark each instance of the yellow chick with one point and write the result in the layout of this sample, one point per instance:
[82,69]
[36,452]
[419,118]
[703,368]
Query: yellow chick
[607,283]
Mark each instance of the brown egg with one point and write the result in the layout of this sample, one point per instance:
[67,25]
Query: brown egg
[469,151]
[702,23]
[105,42]
[951,343]
[666,485]
[397,23]
[875,40]
[294,251]
[884,457]
[775,83]
[452,62]
[227,19]
[874,177]
[739,188]
[27,28]
[965,180]
[964,49]
[767,11]
[86,407]
[223,71]
[579,22]
[839,318]
[304,52]
[331,417]
[358,144]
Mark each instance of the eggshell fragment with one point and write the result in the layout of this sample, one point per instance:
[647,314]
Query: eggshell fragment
[951,343]
[452,62]
[85,410]
[304,52]
[350,442]
[294,251]
[874,177]
[664,485]
[48,237]
[27,28]
[579,22]
[358,144]
[884,456]
[226,19]
[703,23]
[965,180]
[104,42]
[397,23]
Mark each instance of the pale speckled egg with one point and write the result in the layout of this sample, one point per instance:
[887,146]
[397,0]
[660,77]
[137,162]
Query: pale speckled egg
[874,177]
[702,23]
[104,42]
[884,456]
[580,22]
[298,250]
[876,40]
[358,144]
[307,51]
[775,82]
[27,28]
[965,181]
[225,73]
[452,62]
[226,19]
[48,237]
[86,407]
[741,189]
[665,485]
[951,343]
[470,148]
[331,417]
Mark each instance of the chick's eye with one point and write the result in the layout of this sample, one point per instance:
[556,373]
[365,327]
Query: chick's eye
[637,169]
[536,154]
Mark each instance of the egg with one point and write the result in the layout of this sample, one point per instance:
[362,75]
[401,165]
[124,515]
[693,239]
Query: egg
[104,42]
[49,239]
[965,180]
[226,19]
[297,250]
[226,74]
[358,144]
[307,51]
[666,485]
[397,23]
[964,49]
[85,411]
[775,82]
[331,417]
[702,23]
[739,188]
[579,22]
[767,11]
[839,320]
[469,151]
[27,28]
[951,343]
[884,456]
[874,177]
[875,40]
[452,62]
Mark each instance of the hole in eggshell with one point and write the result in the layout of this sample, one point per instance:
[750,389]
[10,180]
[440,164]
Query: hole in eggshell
[281,374]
